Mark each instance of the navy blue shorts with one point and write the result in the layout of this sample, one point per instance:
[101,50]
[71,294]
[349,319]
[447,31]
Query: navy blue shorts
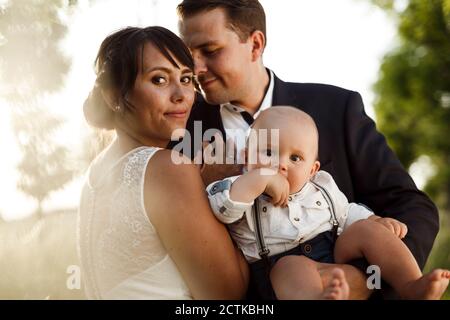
[319,249]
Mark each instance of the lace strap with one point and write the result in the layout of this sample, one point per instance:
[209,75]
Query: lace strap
[135,168]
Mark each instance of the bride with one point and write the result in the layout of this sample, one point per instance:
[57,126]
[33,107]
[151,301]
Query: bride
[145,227]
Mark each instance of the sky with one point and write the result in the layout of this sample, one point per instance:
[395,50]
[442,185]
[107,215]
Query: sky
[325,41]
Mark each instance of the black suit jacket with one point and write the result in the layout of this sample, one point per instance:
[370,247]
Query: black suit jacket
[355,154]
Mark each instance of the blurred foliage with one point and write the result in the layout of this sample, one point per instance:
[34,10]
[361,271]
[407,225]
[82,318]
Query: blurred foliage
[45,166]
[30,58]
[387,5]
[413,101]
[32,67]
[413,91]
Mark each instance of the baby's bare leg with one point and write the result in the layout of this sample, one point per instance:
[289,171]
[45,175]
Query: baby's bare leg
[298,278]
[398,266]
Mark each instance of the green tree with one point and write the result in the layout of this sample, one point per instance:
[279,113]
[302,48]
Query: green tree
[413,91]
[32,67]
[413,102]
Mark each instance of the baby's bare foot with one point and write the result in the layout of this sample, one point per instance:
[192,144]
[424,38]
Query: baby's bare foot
[429,287]
[337,288]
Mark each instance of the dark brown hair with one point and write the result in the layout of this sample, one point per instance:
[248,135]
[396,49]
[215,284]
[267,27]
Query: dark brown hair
[244,16]
[117,65]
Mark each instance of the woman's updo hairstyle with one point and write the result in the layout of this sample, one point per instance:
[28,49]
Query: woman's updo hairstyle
[116,67]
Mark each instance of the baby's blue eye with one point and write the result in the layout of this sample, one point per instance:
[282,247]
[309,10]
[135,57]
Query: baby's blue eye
[295,158]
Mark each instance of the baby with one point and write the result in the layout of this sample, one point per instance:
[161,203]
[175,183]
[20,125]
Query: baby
[289,219]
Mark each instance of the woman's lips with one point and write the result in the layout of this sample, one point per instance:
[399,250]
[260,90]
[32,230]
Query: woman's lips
[177,114]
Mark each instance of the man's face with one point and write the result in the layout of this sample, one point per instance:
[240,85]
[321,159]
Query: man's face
[221,59]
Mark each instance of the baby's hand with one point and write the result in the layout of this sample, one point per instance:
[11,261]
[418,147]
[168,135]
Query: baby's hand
[278,189]
[398,228]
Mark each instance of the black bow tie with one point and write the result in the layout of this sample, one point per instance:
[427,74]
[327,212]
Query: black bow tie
[247,117]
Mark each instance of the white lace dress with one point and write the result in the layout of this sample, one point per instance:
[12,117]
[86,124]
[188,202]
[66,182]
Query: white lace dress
[121,254]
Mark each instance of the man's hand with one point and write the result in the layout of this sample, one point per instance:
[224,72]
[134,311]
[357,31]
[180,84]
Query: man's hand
[278,189]
[398,228]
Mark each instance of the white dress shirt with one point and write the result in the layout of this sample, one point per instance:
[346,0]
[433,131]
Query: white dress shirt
[307,215]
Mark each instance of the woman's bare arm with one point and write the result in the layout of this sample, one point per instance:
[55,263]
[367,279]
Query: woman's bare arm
[200,246]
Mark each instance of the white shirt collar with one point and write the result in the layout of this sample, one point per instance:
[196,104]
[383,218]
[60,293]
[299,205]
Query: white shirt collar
[265,104]
[303,192]
[267,101]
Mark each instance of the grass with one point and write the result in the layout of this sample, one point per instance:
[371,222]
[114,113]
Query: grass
[440,255]
[35,255]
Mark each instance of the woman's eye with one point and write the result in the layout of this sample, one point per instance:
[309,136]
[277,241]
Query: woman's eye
[186,79]
[158,80]
[295,158]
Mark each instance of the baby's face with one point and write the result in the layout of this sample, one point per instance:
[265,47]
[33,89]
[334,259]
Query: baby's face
[293,155]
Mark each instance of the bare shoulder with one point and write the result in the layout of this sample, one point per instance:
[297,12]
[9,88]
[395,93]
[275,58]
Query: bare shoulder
[169,184]
[167,165]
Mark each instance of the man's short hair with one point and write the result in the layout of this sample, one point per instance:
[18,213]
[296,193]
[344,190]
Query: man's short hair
[244,16]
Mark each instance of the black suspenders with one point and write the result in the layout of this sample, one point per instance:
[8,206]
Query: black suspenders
[333,220]
[262,248]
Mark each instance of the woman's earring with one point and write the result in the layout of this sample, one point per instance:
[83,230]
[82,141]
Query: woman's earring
[117,108]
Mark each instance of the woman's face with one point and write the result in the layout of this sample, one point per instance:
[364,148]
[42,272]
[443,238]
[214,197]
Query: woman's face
[162,96]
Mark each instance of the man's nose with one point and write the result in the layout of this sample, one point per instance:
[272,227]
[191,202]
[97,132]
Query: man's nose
[199,64]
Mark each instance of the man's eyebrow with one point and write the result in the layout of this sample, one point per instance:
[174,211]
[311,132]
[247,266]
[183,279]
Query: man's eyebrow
[206,44]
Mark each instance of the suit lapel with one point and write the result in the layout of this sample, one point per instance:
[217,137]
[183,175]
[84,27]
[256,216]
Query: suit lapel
[281,94]
[285,94]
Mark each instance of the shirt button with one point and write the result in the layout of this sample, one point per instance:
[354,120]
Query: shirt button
[297,219]
[307,248]
[319,203]
[290,198]
[264,209]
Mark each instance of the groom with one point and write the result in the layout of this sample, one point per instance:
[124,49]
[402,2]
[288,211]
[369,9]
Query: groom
[227,40]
